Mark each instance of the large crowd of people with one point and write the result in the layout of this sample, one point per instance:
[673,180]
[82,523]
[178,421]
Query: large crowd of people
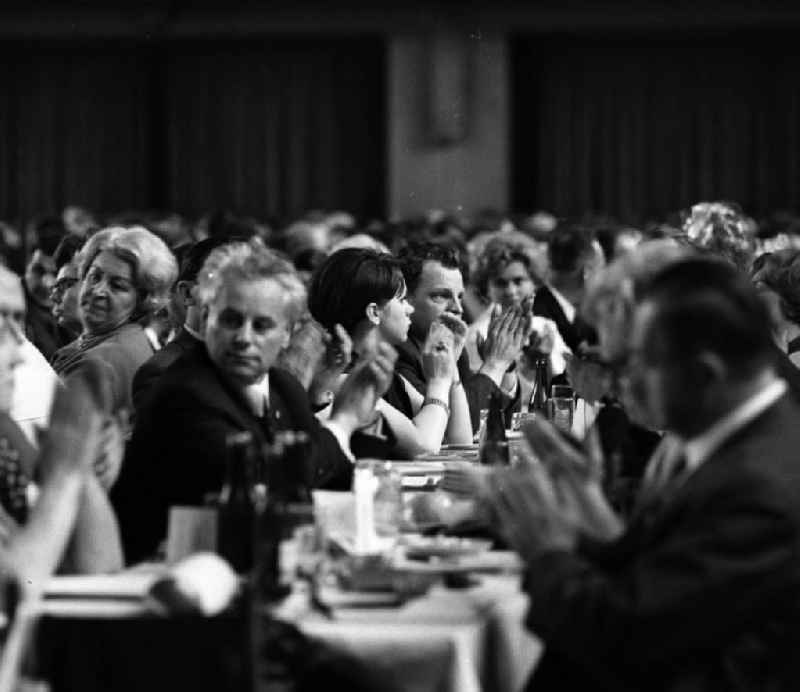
[661,549]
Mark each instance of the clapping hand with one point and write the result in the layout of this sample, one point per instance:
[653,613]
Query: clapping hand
[354,404]
[110,451]
[438,353]
[576,475]
[336,358]
[72,441]
[507,332]
[459,330]
[304,355]
[531,515]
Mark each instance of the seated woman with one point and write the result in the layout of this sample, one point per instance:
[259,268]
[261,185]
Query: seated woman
[363,291]
[508,271]
[125,276]
[778,279]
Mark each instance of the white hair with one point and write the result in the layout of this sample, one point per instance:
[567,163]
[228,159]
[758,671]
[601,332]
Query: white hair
[250,261]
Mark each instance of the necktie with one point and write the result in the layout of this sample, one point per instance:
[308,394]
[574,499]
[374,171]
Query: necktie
[664,473]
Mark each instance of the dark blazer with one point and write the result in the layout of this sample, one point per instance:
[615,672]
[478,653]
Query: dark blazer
[573,333]
[152,369]
[701,593]
[477,386]
[177,453]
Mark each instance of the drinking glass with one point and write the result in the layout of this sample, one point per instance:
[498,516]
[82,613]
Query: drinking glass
[562,407]
[519,417]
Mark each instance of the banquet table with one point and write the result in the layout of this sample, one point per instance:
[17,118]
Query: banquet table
[464,640]
[459,639]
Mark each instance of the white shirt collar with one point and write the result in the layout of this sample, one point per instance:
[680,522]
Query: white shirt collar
[197,335]
[566,306]
[150,333]
[700,448]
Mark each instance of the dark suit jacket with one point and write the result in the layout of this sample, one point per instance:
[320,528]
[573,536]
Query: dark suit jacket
[152,369]
[478,387]
[701,593]
[177,453]
[573,333]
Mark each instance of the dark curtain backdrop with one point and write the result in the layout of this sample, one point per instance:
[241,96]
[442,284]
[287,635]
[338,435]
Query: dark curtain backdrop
[268,129]
[74,128]
[638,128]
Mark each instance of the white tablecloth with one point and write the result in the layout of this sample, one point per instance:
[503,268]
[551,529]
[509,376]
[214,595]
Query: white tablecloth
[451,639]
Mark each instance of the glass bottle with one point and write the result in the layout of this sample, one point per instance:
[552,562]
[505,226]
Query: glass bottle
[494,448]
[538,400]
[287,507]
[236,511]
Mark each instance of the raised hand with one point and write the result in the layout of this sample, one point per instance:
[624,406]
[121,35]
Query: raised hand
[438,354]
[530,513]
[505,337]
[110,451]
[576,475]
[354,404]
[336,358]
[76,419]
[304,355]
[459,329]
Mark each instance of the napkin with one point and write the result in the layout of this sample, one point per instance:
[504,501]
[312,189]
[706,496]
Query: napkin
[202,584]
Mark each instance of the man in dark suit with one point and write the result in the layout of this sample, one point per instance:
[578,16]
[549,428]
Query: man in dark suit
[250,299]
[571,254]
[702,590]
[187,311]
[435,289]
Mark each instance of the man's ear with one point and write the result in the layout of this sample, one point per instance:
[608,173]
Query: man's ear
[373,313]
[186,292]
[708,368]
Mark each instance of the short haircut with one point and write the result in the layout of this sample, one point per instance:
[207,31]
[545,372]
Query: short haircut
[250,261]
[414,255]
[195,255]
[67,249]
[153,264]
[49,232]
[706,304]
[781,274]
[568,247]
[348,281]
[499,252]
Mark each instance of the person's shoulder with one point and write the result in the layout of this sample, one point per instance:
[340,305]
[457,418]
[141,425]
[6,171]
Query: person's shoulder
[286,384]
[130,342]
[166,357]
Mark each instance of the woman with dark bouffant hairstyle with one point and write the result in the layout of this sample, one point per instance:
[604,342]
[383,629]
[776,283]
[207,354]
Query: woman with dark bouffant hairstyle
[125,276]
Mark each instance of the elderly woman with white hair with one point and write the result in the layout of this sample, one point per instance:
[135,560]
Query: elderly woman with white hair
[125,276]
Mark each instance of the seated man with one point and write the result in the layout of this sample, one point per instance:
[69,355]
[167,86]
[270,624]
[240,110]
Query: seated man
[700,591]
[250,299]
[186,309]
[573,258]
[435,288]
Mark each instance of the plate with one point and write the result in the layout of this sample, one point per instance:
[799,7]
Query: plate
[443,547]
[473,447]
